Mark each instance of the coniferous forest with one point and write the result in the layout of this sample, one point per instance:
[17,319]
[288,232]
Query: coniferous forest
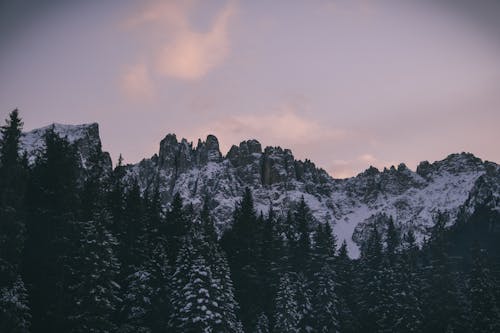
[93,254]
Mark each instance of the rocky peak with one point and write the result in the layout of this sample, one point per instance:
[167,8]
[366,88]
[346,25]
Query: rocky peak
[453,163]
[277,165]
[246,153]
[457,163]
[84,137]
[175,155]
[169,148]
[208,151]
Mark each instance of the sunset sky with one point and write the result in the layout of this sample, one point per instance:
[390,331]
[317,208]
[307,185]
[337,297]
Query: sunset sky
[345,83]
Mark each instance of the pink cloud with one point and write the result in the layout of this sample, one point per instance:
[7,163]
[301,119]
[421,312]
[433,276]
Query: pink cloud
[136,83]
[183,52]
[191,54]
[283,126]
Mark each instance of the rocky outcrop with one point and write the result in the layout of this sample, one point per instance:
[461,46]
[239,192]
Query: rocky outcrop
[84,137]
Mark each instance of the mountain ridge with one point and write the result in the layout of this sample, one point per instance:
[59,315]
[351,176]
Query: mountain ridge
[455,185]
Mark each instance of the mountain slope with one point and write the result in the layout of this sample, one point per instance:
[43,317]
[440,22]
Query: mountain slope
[455,185]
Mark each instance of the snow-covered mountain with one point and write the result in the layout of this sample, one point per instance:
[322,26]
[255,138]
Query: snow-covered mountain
[456,185]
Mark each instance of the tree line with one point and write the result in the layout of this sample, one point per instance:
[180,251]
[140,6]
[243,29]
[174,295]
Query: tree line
[99,255]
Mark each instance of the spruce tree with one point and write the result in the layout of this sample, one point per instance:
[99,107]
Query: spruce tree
[241,245]
[94,272]
[52,202]
[176,227]
[485,314]
[390,307]
[287,316]
[198,298]
[304,299]
[272,254]
[262,325]
[14,313]
[325,301]
[370,284]
[301,245]
[441,301]
[345,290]
[408,289]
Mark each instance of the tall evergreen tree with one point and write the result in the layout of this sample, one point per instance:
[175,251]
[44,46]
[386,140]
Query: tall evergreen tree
[14,313]
[485,314]
[176,226]
[345,290]
[441,306]
[325,301]
[202,293]
[94,272]
[287,314]
[240,244]
[390,308]
[301,245]
[52,201]
[370,284]
[272,254]
[262,325]
[408,289]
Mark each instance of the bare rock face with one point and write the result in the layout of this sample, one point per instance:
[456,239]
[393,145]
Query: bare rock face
[277,166]
[84,137]
[180,156]
[246,161]
[208,151]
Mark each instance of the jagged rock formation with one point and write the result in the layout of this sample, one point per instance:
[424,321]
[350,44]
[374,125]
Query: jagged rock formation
[85,138]
[455,185]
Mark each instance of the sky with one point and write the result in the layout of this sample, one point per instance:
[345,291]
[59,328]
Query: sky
[346,84]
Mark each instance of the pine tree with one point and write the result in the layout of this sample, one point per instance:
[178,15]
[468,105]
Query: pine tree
[370,282]
[195,305]
[14,313]
[345,290]
[241,245]
[116,199]
[301,245]
[324,248]
[390,307]
[272,254]
[441,306]
[52,201]
[176,226]
[409,315]
[94,274]
[485,313]
[225,294]
[304,298]
[12,189]
[287,314]
[262,325]
[208,223]
[325,301]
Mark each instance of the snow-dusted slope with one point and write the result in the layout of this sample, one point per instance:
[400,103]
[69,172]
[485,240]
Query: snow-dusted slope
[85,137]
[277,179]
[459,183]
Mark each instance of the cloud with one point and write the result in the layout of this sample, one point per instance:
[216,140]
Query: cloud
[350,168]
[173,14]
[182,51]
[191,54]
[136,83]
[283,126]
